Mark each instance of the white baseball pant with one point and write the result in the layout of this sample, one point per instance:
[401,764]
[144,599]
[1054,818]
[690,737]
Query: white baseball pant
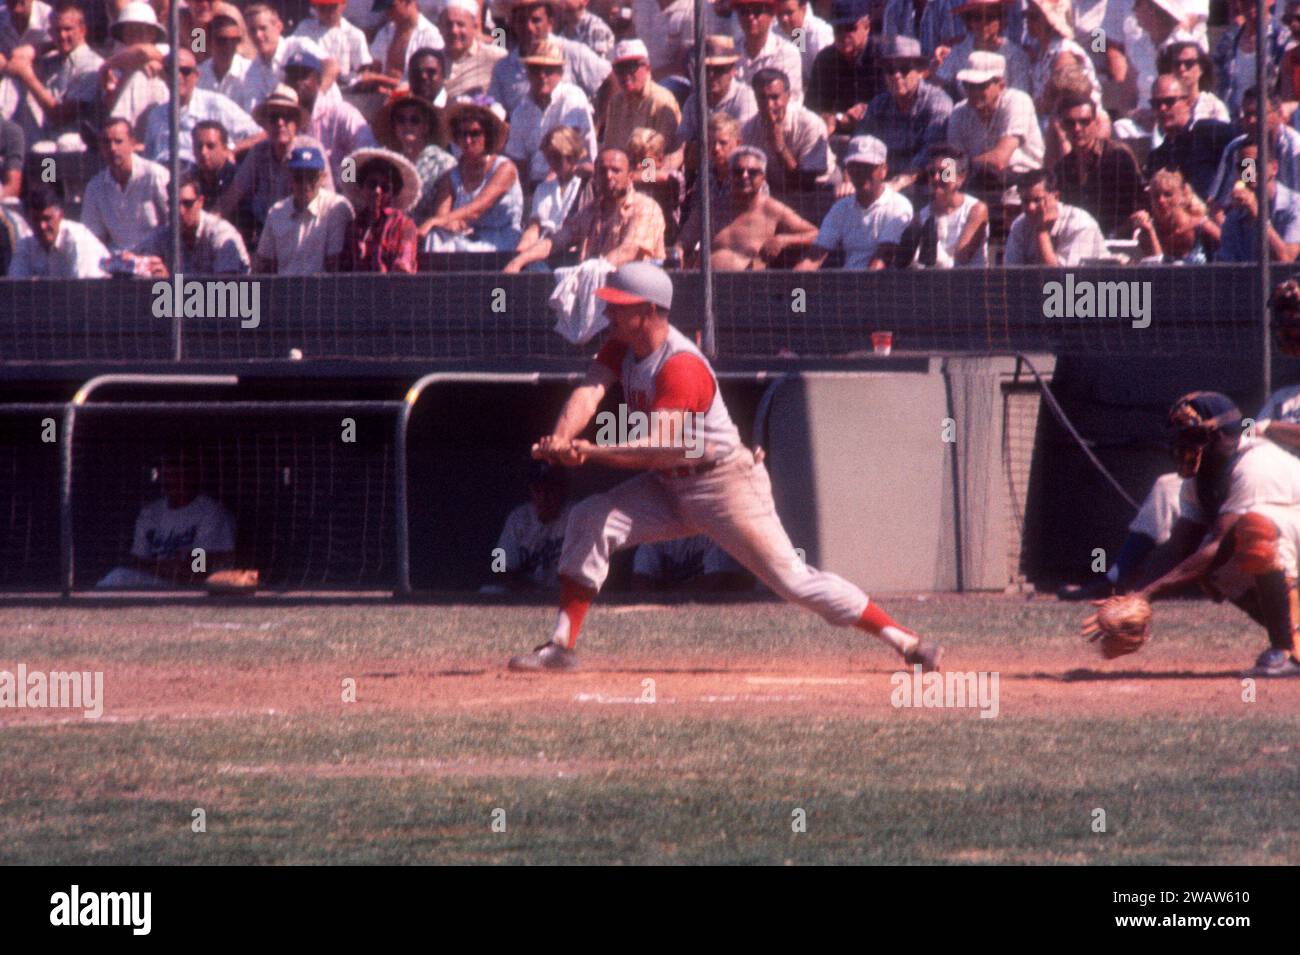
[732,504]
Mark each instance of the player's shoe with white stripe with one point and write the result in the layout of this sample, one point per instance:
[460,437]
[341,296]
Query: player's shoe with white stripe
[1274,662]
[926,654]
[549,656]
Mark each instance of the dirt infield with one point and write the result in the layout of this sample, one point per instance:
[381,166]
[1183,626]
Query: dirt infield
[1038,684]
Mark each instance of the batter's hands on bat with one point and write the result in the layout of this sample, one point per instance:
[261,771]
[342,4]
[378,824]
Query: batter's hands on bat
[570,454]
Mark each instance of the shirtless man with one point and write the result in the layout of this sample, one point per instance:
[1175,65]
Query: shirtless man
[754,229]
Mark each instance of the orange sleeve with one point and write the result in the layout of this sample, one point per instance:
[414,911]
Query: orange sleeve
[683,384]
[611,356]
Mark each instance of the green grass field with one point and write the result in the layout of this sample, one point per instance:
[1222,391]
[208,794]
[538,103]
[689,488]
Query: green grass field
[759,711]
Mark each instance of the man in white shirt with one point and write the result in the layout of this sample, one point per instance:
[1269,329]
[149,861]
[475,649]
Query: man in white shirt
[1049,232]
[196,105]
[667,28]
[551,102]
[305,232]
[58,248]
[274,50]
[997,128]
[337,37]
[61,87]
[169,529]
[807,32]
[794,138]
[761,48]
[470,56]
[225,71]
[868,225]
[406,31]
[532,22]
[128,198]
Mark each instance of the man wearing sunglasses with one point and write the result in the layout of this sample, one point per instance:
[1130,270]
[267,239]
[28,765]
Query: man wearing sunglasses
[306,232]
[1191,146]
[209,244]
[762,49]
[1097,174]
[911,116]
[753,229]
[196,105]
[226,69]
[1283,148]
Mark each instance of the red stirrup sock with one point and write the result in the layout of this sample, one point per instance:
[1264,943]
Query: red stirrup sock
[875,621]
[575,600]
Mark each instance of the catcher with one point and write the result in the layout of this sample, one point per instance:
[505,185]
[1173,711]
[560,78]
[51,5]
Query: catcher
[1246,491]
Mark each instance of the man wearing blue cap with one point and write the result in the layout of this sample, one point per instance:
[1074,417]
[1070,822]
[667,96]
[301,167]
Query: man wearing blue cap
[335,123]
[697,476]
[305,233]
[845,76]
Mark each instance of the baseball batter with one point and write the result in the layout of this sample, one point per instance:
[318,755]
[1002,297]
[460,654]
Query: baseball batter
[722,492]
[1246,490]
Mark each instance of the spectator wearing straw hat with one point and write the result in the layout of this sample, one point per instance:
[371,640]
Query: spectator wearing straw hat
[911,116]
[383,237]
[868,225]
[723,92]
[470,57]
[195,106]
[264,177]
[985,21]
[413,127]
[479,203]
[845,76]
[533,22]
[305,233]
[794,138]
[761,48]
[551,102]
[1050,27]
[638,102]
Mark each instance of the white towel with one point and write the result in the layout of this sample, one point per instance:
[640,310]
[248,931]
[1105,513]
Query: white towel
[579,314]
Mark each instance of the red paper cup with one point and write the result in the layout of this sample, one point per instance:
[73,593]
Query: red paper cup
[882,343]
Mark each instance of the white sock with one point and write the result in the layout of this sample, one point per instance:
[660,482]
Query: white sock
[904,641]
[561,634]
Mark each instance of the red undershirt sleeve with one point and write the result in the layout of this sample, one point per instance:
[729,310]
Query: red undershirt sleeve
[683,384]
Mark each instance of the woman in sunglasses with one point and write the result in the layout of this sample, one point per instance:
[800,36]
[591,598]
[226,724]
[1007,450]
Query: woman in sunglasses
[1188,61]
[383,236]
[413,126]
[478,204]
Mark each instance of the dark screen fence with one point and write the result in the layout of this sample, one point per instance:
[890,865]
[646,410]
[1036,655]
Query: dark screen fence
[485,315]
[311,500]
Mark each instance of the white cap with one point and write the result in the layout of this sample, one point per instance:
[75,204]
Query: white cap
[866,149]
[982,67]
[631,50]
[464,6]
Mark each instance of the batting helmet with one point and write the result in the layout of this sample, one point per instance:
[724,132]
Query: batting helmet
[1285,305]
[1197,419]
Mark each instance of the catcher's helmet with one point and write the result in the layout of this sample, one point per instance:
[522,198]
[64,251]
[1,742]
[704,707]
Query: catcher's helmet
[1196,419]
[1285,305]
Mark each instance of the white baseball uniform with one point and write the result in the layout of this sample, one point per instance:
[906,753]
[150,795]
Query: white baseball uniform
[533,547]
[163,533]
[726,495]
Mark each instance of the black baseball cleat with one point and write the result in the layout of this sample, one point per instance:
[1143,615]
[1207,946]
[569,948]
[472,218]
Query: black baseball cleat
[549,656]
[1097,590]
[927,655]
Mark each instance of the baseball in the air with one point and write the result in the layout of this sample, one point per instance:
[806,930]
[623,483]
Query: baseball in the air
[295,354]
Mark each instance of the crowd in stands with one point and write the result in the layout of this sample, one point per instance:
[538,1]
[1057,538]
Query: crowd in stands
[394,135]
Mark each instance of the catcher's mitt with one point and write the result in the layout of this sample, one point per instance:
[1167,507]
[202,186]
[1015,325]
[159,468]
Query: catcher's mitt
[232,582]
[1123,625]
